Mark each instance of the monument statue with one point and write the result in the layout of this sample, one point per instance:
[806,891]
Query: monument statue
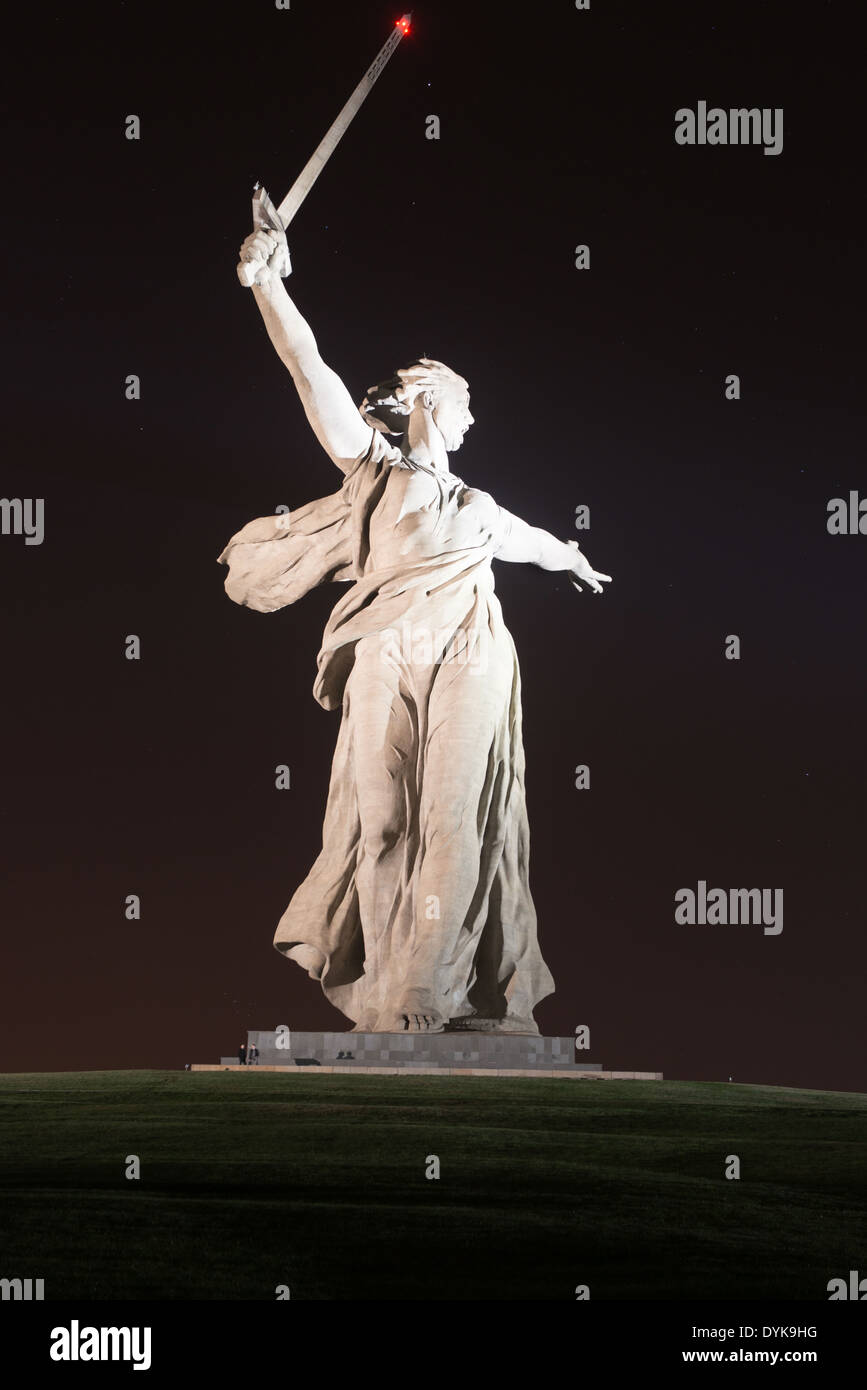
[417,914]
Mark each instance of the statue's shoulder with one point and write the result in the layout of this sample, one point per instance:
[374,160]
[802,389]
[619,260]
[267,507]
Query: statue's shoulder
[377,457]
[471,496]
[382,452]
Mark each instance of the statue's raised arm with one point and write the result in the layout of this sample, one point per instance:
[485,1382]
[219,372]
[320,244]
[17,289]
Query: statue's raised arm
[329,407]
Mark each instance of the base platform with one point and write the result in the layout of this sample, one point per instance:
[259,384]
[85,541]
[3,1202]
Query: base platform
[561,1074]
[429,1054]
[510,1051]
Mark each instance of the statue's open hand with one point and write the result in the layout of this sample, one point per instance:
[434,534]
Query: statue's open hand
[582,569]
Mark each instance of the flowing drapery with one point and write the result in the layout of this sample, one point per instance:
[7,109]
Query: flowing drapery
[419,902]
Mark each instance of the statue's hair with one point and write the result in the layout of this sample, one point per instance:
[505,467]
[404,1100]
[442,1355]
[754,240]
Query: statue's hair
[388,404]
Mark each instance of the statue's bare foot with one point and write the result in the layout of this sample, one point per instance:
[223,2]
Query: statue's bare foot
[423,1023]
[511,1023]
[410,1020]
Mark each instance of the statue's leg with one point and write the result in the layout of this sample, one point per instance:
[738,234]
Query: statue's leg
[384,702]
[463,805]
[511,975]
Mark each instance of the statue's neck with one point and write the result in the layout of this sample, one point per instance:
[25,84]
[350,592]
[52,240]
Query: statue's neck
[423,445]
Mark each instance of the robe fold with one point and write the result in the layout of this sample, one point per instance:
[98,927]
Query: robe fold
[419,901]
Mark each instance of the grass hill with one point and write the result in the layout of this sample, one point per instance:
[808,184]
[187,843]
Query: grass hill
[254,1180]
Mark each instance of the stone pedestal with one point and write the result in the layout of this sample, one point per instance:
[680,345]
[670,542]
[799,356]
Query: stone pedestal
[488,1051]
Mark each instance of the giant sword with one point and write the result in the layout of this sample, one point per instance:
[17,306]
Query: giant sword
[265,215]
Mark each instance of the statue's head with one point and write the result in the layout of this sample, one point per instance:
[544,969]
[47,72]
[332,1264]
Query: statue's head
[425,385]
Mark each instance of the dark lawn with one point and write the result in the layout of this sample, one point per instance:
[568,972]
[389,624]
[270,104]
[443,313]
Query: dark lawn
[250,1180]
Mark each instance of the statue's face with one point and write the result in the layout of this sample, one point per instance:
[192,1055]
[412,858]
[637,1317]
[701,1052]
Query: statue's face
[452,416]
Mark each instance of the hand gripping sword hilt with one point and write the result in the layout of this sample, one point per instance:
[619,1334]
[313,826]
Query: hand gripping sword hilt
[265,216]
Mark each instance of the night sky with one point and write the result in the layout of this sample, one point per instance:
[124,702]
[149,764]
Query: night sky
[603,387]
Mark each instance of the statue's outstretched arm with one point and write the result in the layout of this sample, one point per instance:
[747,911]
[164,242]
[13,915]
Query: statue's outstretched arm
[328,405]
[530,545]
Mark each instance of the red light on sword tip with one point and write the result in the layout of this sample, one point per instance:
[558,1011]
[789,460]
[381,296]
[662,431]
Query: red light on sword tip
[403,25]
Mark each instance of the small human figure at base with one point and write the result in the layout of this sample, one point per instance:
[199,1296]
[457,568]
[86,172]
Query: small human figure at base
[242,1054]
[253,1056]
